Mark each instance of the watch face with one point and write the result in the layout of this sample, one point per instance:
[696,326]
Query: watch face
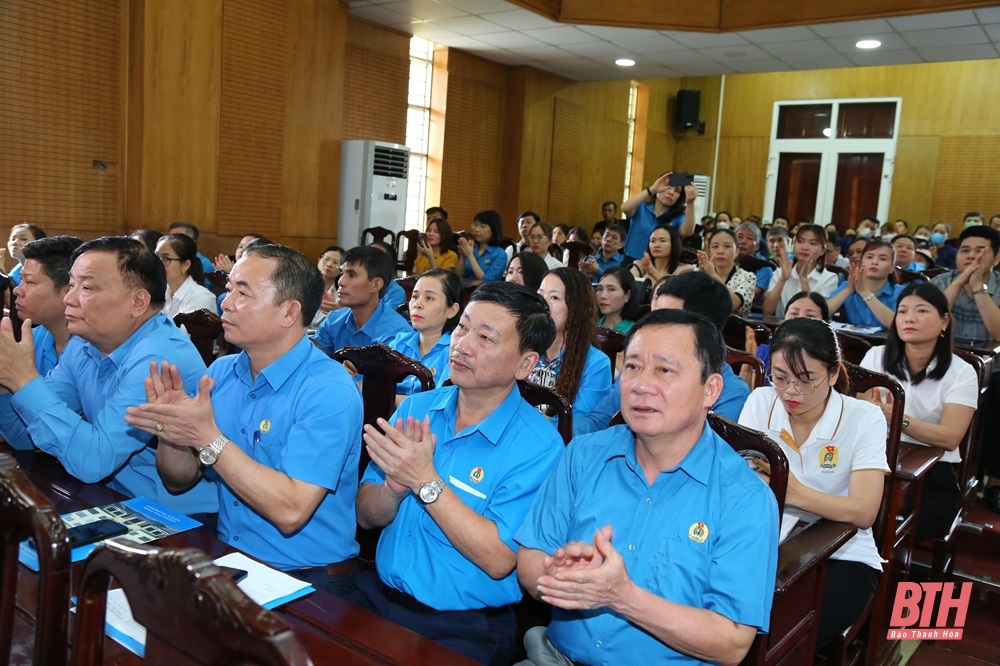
[428,493]
[208,456]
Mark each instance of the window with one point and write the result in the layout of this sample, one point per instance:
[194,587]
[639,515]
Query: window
[418,115]
[633,98]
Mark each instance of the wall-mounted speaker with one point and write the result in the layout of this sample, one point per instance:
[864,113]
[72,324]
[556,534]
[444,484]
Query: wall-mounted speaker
[688,103]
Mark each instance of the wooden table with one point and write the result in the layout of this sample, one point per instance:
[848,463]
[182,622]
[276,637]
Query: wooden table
[332,630]
[798,592]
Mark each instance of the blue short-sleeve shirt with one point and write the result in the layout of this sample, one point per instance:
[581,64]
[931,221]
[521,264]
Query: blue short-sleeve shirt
[302,416]
[340,330]
[704,534]
[493,261]
[394,296]
[641,225]
[45,350]
[857,312]
[606,264]
[47,413]
[436,359]
[495,467]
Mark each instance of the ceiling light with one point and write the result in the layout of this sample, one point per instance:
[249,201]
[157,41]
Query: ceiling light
[868,44]
[625,62]
[826,131]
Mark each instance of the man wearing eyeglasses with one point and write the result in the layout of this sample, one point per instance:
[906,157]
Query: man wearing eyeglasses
[77,412]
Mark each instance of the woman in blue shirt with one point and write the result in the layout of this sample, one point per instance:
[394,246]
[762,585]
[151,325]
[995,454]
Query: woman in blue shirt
[576,369]
[485,258]
[434,311]
[21,235]
[660,203]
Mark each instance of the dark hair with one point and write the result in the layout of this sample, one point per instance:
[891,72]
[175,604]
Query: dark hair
[148,237]
[437,210]
[874,219]
[447,235]
[610,203]
[623,276]
[546,227]
[816,298]
[876,244]
[922,226]
[700,294]
[833,237]
[187,250]
[581,232]
[36,231]
[295,278]
[982,231]
[730,232]
[580,332]
[894,359]
[777,231]
[708,342]
[533,268]
[617,229]
[674,258]
[535,329]
[53,254]
[256,242]
[562,227]
[331,248]
[801,337]
[532,214]
[177,224]
[972,213]
[491,218]
[451,286]
[138,267]
[377,264]
[726,213]
[599,228]
[385,247]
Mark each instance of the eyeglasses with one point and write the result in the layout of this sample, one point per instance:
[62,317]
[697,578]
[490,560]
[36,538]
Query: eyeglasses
[479,225]
[166,260]
[804,388]
[538,239]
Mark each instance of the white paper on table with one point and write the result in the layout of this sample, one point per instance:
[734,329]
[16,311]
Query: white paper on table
[267,586]
[788,521]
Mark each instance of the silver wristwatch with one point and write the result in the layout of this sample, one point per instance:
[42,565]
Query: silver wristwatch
[209,455]
[429,492]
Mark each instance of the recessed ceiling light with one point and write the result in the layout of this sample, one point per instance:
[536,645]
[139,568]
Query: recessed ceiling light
[625,62]
[868,44]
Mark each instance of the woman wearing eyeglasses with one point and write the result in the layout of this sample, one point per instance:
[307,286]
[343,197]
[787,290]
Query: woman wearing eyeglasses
[835,446]
[179,255]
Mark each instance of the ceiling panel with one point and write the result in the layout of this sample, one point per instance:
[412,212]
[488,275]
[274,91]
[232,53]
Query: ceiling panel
[946,37]
[934,21]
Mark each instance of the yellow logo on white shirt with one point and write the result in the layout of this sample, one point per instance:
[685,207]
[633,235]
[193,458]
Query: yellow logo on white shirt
[698,532]
[828,457]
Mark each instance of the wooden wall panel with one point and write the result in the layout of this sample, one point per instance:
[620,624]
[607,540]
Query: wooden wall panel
[913,179]
[252,117]
[963,181]
[377,73]
[734,191]
[566,175]
[60,115]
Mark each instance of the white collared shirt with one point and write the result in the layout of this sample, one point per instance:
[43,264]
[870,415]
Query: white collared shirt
[926,400]
[849,437]
[190,297]
[823,282]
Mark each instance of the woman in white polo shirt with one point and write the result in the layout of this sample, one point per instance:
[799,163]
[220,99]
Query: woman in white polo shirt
[836,452]
[942,393]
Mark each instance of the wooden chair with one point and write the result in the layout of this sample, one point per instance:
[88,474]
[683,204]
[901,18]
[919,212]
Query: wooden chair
[193,613]
[738,357]
[403,310]
[218,280]
[833,268]
[379,234]
[539,396]
[856,644]
[612,343]
[382,368]
[689,256]
[904,276]
[735,334]
[852,348]
[407,283]
[204,327]
[405,264]
[574,251]
[931,273]
[25,512]
[748,262]
[746,441]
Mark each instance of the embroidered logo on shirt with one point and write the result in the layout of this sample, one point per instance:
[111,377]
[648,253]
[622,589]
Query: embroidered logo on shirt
[828,457]
[434,371]
[265,425]
[476,475]
[698,532]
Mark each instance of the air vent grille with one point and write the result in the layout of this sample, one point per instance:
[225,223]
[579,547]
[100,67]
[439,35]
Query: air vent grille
[391,162]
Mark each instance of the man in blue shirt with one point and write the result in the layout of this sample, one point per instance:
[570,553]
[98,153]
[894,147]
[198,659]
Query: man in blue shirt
[44,284]
[113,308]
[394,295]
[694,292]
[654,541]
[453,479]
[610,256]
[281,430]
[365,276]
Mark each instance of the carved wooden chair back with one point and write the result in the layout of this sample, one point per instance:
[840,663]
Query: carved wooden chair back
[611,342]
[383,368]
[193,613]
[204,327]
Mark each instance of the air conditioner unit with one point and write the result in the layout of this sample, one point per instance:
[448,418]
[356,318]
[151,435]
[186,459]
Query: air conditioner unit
[700,208]
[372,188]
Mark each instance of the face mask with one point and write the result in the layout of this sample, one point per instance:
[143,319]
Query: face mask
[865,233]
[888,237]
[923,237]
[971,223]
[937,238]
[722,225]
